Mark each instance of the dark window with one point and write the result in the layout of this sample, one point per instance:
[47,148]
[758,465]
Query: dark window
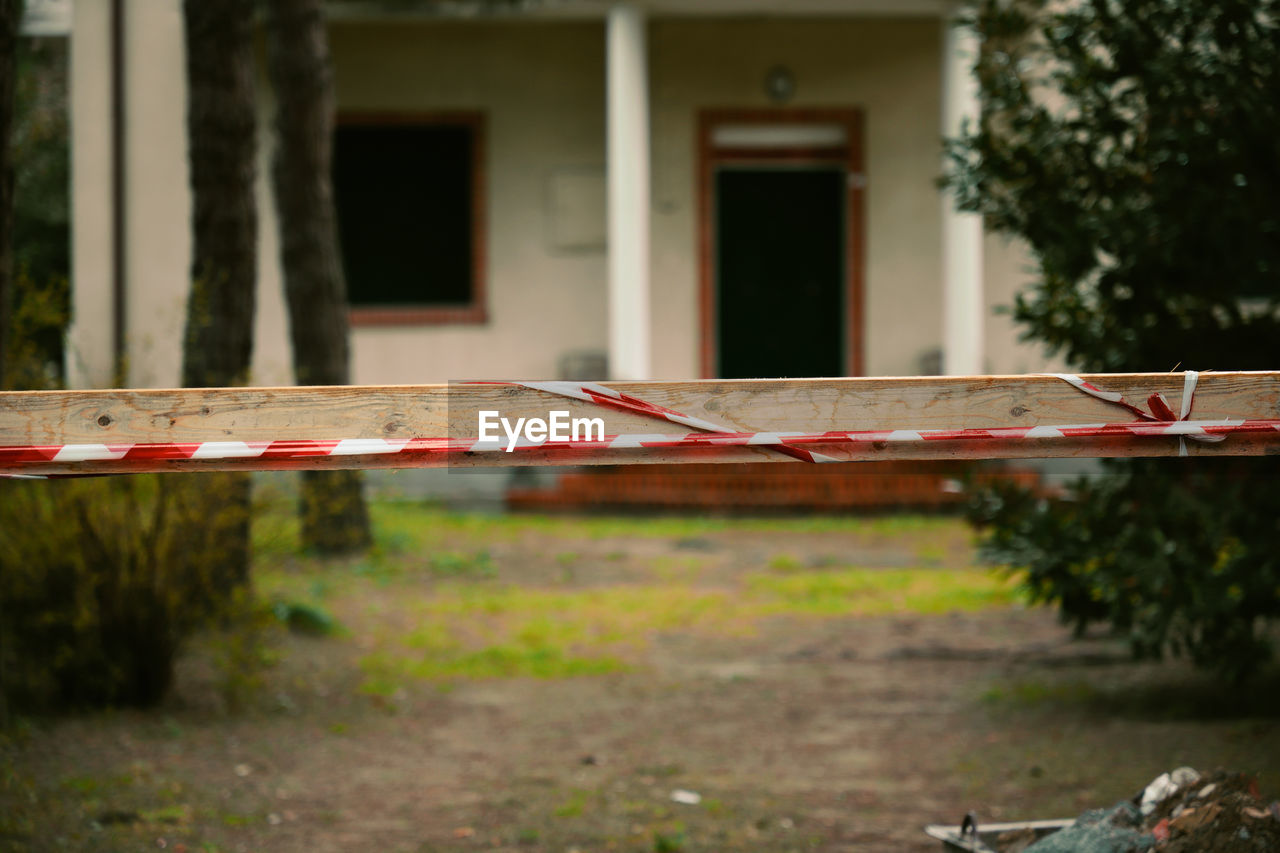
[407,218]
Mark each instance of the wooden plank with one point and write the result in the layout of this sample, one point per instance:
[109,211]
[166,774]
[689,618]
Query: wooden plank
[117,417]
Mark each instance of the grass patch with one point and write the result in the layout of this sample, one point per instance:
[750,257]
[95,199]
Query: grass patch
[1038,694]
[406,527]
[670,840]
[507,526]
[168,814]
[661,771]
[670,569]
[459,564]
[237,821]
[477,631]
[498,661]
[931,554]
[1190,696]
[884,591]
[305,618]
[451,612]
[574,806]
[785,563]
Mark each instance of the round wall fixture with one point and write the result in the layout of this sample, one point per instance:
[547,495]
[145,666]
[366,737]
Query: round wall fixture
[779,84]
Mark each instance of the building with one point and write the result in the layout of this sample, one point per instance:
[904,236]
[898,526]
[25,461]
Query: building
[655,189]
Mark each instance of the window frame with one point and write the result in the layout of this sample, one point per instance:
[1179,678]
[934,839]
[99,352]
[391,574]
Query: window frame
[424,314]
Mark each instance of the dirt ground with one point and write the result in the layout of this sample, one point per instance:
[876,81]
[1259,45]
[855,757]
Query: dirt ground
[772,731]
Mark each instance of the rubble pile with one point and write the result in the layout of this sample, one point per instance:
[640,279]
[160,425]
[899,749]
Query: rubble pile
[1179,812]
[1220,812]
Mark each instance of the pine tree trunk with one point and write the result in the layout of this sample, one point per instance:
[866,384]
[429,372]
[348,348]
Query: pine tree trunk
[334,516]
[10,20]
[221,117]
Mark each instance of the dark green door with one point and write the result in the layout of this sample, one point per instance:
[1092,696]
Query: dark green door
[780,271]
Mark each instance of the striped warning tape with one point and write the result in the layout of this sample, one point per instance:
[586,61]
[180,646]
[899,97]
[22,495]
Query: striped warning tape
[1161,422]
[603,395]
[436,451]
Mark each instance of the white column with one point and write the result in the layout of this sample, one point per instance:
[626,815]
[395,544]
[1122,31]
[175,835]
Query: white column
[628,162]
[157,225]
[962,294]
[89,344]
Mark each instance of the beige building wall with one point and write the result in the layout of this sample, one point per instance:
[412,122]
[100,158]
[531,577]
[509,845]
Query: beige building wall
[157,205]
[890,70]
[541,88]
[1009,267]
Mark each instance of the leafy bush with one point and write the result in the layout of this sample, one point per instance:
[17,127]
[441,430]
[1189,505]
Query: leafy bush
[41,214]
[39,317]
[1166,566]
[101,582]
[1135,147]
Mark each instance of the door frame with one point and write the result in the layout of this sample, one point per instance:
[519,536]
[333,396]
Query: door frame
[849,155]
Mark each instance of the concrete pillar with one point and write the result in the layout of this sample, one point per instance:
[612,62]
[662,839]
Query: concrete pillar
[155,211]
[89,345]
[628,189]
[157,214]
[962,296]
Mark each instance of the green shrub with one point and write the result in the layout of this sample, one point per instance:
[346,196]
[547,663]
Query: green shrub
[41,214]
[1179,558]
[101,581]
[244,647]
[1134,148]
[302,618]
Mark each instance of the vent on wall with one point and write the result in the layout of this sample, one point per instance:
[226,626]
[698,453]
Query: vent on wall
[929,362]
[576,220]
[584,366]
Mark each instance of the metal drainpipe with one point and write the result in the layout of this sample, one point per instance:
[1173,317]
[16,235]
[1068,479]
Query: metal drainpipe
[118,231]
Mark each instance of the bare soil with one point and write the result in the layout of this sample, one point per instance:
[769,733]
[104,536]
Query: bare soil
[831,734]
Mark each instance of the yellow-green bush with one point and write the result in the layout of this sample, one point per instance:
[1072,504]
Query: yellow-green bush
[101,581]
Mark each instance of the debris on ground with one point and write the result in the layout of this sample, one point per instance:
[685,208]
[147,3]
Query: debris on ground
[1115,830]
[1179,812]
[1166,785]
[1223,811]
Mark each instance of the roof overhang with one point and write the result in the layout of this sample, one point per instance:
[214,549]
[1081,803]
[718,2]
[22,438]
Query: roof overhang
[588,9]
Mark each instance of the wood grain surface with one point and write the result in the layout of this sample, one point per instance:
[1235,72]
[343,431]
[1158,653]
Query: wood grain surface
[119,416]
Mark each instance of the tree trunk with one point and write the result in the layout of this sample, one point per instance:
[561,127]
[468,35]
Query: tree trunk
[10,20]
[221,116]
[334,516]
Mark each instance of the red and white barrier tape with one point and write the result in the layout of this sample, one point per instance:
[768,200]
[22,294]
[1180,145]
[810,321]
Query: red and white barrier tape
[1160,423]
[603,395]
[1160,410]
[14,459]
